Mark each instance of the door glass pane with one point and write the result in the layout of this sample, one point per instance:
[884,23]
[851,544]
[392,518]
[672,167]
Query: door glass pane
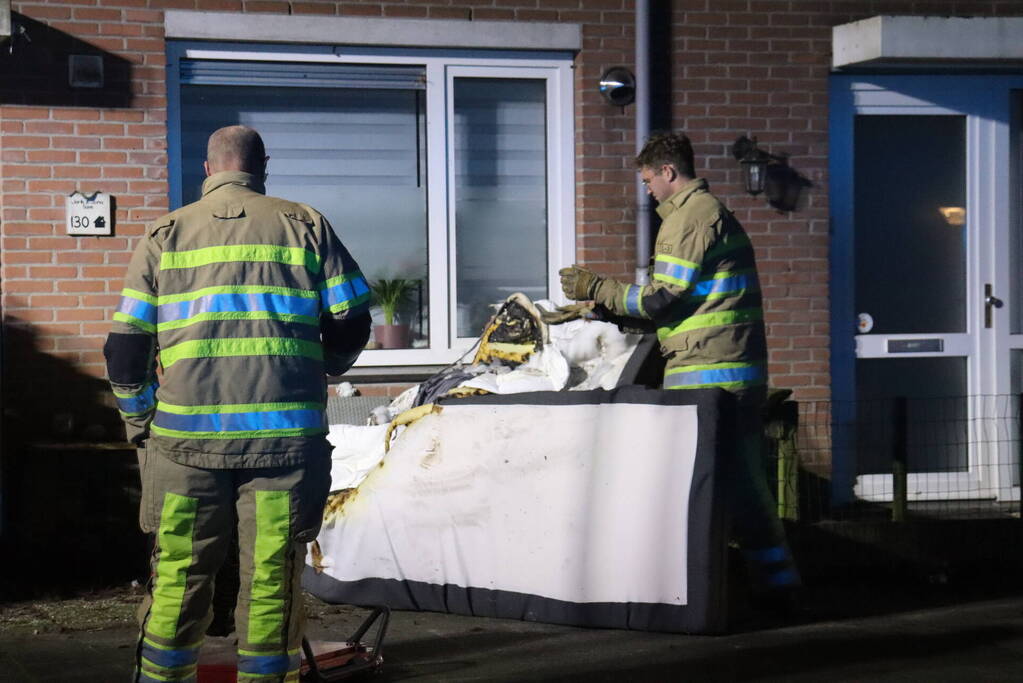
[355,154]
[500,195]
[910,223]
[937,424]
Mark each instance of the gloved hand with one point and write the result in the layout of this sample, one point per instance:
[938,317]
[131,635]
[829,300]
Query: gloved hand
[578,283]
[565,313]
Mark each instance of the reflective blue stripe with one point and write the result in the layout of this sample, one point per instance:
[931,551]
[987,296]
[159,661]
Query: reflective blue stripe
[241,422]
[632,300]
[713,376]
[138,309]
[348,291]
[675,271]
[767,555]
[734,283]
[169,659]
[785,577]
[268,664]
[141,402]
[238,302]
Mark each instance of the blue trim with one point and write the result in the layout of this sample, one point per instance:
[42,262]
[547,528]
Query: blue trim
[239,302]
[241,422]
[632,300]
[676,379]
[767,555]
[169,659]
[786,577]
[674,270]
[268,664]
[138,309]
[346,291]
[840,257]
[735,283]
[140,403]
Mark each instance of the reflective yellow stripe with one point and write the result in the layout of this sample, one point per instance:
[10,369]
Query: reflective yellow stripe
[263,253]
[718,319]
[269,580]
[253,346]
[177,522]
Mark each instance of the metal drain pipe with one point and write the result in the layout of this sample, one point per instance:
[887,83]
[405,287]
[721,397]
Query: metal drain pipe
[643,250]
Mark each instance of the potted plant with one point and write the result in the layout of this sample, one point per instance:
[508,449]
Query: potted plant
[389,295]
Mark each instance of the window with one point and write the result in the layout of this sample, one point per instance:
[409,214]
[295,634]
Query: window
[450,171]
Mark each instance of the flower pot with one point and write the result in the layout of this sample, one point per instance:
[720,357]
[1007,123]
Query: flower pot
[391,336]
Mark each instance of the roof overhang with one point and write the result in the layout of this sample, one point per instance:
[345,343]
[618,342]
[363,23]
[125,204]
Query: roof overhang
[899,42]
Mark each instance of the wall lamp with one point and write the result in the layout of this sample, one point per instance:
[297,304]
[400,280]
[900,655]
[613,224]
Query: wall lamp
[754,163]
[769,173]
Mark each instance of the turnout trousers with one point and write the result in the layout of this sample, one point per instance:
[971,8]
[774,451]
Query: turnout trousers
[193,513]
[753,509]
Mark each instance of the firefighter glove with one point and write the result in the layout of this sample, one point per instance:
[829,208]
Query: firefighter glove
[565,313]
[578,283]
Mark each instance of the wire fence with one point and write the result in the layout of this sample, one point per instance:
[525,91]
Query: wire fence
[897,459]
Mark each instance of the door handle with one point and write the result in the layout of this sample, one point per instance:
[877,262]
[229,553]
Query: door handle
[990,302]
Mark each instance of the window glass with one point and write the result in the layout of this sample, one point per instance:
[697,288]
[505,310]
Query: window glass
[500,143]
[910,223]
[355,154]
[937,413]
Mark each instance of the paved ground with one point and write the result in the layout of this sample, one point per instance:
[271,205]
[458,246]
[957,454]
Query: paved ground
[846,633]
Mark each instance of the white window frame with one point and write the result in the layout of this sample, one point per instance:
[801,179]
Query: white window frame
[441,67]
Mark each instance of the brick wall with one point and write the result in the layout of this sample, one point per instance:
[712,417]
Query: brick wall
[736,66]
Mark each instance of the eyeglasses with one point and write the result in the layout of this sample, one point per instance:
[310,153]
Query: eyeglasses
[646,181]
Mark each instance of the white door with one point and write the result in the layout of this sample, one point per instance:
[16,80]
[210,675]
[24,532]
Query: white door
[925,198]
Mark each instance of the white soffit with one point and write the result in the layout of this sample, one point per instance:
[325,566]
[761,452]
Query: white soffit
[421,33]
[944,41]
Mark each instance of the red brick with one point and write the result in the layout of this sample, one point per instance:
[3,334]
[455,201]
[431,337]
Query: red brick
[26,171]
[26,142]
[74,142]
[76,114]
[79,257]
[51,156]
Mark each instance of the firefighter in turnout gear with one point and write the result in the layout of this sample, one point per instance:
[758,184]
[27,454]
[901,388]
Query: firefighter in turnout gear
[704,302]
[244,302]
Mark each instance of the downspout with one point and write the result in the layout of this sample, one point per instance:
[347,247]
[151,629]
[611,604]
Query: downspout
[642,133]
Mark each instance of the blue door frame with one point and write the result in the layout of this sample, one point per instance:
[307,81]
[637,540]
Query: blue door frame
[985,96]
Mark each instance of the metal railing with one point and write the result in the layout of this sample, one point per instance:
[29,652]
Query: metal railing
[898,458]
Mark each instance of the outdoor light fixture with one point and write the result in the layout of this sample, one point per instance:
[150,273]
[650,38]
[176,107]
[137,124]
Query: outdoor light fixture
[769,173]
[618,86]
[754,163]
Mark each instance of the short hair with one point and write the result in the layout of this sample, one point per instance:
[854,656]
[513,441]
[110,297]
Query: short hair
[673,149]
[236,148]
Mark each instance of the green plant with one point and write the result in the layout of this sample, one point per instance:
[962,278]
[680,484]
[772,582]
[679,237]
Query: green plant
[390,294]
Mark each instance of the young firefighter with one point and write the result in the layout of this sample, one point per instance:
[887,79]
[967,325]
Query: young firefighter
[704,300]
[248,301]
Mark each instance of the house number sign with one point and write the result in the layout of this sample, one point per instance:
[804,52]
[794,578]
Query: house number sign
[88,214]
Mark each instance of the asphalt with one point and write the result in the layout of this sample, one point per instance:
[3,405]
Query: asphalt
[838,633]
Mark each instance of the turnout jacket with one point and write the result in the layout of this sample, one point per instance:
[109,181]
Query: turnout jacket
[234,309]
[704,296]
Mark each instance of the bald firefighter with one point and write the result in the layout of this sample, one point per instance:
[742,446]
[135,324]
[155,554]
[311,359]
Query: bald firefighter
[704,302]
[245,302]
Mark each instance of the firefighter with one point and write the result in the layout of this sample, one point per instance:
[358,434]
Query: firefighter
[244,303]
[704,302]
